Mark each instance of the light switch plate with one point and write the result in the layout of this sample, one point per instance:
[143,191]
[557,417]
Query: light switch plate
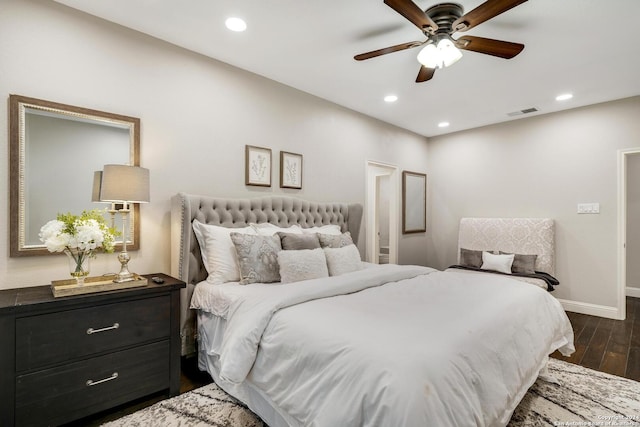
[588,208]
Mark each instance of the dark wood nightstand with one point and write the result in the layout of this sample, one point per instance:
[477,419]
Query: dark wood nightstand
[62,359]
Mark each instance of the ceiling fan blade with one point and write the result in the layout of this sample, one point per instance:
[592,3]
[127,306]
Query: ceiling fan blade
[425,74]
[413,13]
[493,47]
[386,50]
[487,10]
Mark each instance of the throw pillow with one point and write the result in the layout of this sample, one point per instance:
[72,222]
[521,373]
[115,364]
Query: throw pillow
[258,258]
[335,241]
[324,229]
[295,242]
[343,260]
[525,264]
[501,263]
[470,258]
[218,252]
[305,264]
[268,229]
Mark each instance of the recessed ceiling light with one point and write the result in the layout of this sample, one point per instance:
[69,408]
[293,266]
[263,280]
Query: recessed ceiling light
[564,97]
[236,24]
[390,98]
[443,124]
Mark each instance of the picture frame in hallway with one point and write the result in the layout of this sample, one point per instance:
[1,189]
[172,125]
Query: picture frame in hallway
[414,202]
[257,169]
[290,170]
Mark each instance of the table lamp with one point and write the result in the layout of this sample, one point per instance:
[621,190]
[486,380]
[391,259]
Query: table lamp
[122,184]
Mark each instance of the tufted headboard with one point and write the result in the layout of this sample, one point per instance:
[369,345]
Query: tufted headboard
[186,261]
[527,236]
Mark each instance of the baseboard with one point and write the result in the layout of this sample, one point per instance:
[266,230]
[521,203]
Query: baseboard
[591,309]
[633,292]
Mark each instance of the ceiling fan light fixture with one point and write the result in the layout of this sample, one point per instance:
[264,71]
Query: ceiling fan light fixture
[440,55]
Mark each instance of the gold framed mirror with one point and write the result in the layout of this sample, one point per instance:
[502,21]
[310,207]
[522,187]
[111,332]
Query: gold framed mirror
[54,150]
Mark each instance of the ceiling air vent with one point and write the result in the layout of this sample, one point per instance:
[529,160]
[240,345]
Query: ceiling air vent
[523,111]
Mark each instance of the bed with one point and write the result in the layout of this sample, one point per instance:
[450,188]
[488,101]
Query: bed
[378,345]
[532,240]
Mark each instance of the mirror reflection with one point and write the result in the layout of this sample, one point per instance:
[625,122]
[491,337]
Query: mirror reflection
[55,150]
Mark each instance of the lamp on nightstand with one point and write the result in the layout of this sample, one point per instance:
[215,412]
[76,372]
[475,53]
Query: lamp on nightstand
[121,184]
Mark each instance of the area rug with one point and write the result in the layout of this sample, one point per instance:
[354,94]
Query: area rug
[581,397]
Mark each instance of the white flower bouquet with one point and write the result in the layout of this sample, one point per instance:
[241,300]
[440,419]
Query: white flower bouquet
[79,236]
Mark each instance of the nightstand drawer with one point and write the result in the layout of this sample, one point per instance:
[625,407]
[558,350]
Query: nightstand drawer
[78,389]
[48,339]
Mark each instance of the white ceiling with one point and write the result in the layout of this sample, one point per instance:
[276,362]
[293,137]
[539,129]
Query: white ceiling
[588,47]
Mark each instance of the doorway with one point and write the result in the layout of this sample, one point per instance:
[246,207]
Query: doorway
[382,213]
[628,226]
[633,225]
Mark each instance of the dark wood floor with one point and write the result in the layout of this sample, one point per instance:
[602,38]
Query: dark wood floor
[611,346]
[606,345]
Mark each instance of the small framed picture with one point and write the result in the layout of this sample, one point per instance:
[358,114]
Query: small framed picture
[257,169]
[290,170]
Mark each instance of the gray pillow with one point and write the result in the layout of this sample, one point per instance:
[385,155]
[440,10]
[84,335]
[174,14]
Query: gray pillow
[470,258]
[296,242]
[335,241]
[525,264]
[257,257]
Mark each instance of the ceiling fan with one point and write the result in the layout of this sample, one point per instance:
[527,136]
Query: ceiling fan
[438,23]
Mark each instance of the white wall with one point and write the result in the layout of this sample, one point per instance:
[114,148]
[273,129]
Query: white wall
[540,166]
[197,114]
[633,222]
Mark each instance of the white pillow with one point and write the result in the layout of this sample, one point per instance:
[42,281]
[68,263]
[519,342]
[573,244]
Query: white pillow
[501,263]
[333,229]
[218,252]
[268,229]
[304,264]
[343,260]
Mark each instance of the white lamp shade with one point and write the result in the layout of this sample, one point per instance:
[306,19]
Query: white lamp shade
[429,56]
[122,183]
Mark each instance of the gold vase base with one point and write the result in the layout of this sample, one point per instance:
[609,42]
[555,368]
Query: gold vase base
[63,288]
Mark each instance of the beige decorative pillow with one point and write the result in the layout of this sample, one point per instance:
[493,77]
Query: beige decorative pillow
[258,258]
[343,260]
[306,264]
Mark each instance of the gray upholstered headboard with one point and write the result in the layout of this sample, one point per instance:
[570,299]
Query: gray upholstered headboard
[186,261]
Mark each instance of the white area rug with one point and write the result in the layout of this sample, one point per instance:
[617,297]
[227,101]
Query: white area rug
[582,397]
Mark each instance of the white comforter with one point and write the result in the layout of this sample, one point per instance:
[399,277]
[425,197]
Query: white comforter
[394,346]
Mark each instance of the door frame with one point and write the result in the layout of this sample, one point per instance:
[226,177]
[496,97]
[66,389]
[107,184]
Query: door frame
[373,170]
[622,228]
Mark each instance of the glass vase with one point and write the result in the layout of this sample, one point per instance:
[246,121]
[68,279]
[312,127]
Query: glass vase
[78,264]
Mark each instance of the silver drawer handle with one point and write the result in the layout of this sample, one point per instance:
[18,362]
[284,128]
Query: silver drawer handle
[95,331]
[112,377]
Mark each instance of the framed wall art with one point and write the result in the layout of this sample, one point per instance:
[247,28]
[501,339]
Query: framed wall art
[257,169]
[290,170]
[414,202]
